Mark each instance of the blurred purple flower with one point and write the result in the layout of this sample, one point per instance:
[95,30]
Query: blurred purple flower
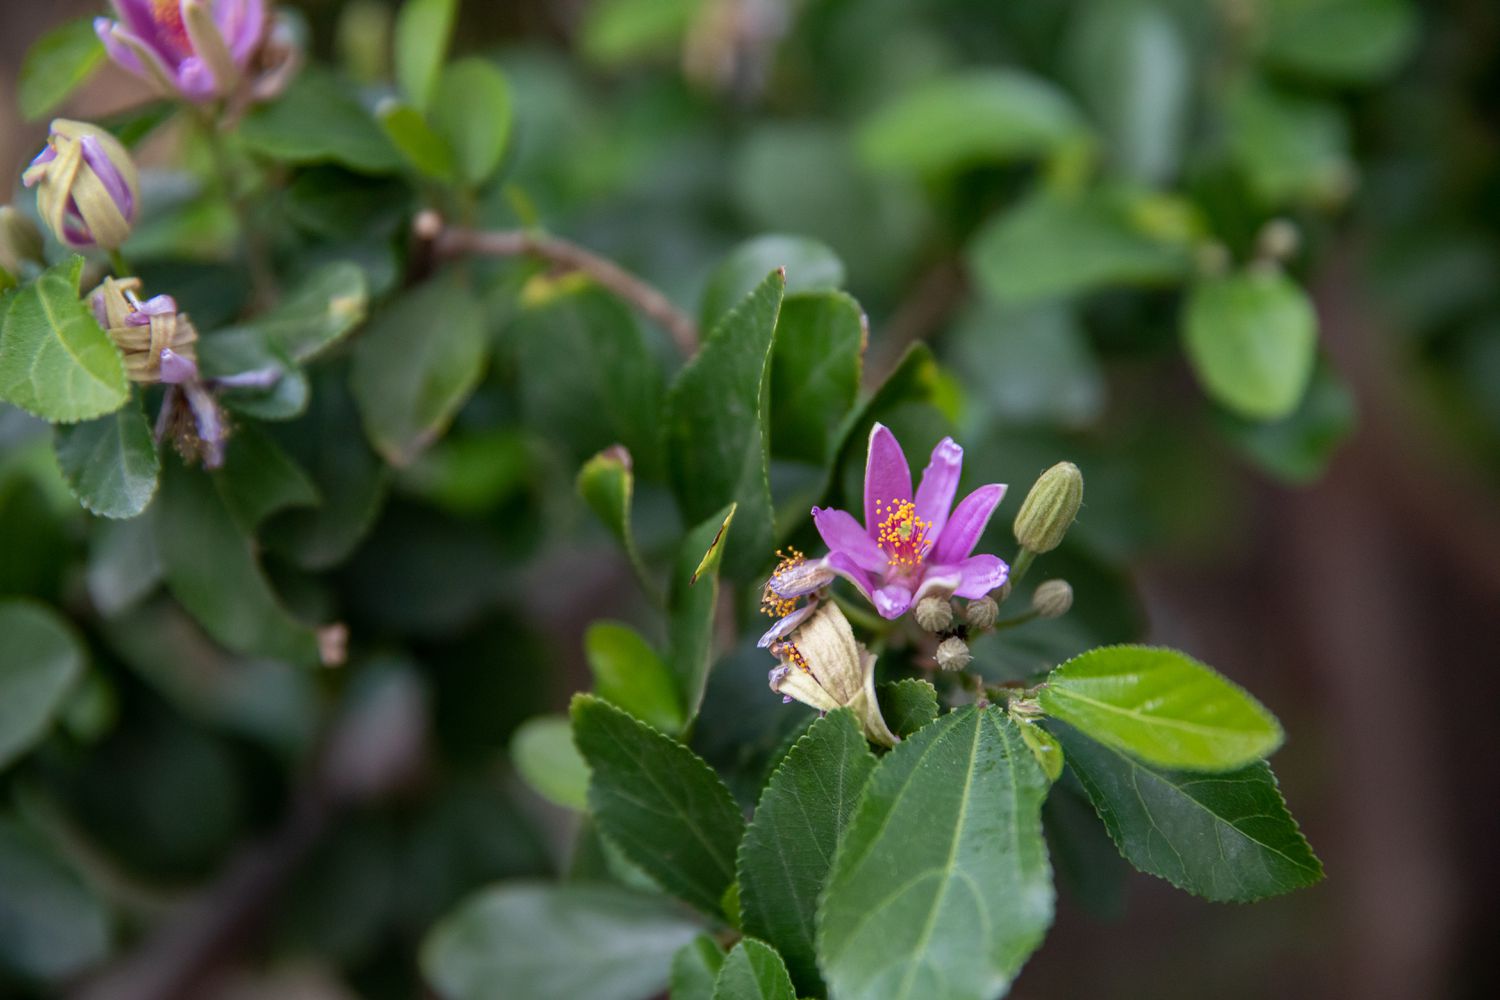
[911,545]
[196,48]
[87,190]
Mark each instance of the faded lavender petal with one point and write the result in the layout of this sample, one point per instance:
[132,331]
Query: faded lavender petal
[175,368]
[785,624]
[198,49]
[255,378]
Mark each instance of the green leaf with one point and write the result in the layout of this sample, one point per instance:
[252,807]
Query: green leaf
[318,313]
[695,969]
[423,31]
[416,364]
[540,942]
[1253,341]
[1054,245]
[123,566]
[1298,447]
[1048,754]
[1292,150]
[55,360]
[615,32]
[607,484]
[753,971]
[57,64]
[320,120]
[691,602]
[941,886]
[1134,72]
[629,673]
[53,926]
[211,569]
[809,264]
[110,462]
[659,803]
[1225,837]
[472,112]
[41,660]
[718,426]
[785,857]
[1089,867]
[409,132]
[1343,41]
[259,479]
[544,754]
[815,372]
[907,704]
[1161,706]
[1030,365]
[979,116]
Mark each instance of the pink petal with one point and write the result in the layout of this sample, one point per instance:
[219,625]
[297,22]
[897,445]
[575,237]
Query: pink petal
[938,581]
[119,52]
[242,23]
[887,477]
[969,518]
[939,484]
[849,570]
[842,533]
[892,600]
[981,574]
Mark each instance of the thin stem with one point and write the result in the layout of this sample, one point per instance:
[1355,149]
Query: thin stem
[118,263]
[1020,619]
[1021,564]
[454,241]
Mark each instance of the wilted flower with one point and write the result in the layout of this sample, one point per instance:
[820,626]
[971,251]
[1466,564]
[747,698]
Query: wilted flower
[823,666]
[191,419]
[910,546]
[196,48]
[158,343]
[87,191]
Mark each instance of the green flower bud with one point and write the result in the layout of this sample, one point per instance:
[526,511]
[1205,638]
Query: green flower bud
[20,241]
[1049,509]
[934,614]
[981,613]
[1052,599]
[953,654]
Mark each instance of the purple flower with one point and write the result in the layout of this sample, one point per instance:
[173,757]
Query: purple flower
[911,544]
[87,191]
[196,48]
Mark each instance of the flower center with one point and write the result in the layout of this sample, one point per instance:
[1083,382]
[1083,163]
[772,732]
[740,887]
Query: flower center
[901,534]
[168,17]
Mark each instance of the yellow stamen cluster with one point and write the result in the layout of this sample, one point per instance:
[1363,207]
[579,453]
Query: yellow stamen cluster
[790,654]
[772,603]
[901,533]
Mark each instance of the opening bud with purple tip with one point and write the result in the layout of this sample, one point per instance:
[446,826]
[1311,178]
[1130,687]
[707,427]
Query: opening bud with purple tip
[87,188]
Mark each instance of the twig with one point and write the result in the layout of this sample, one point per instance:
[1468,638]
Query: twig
[454,241]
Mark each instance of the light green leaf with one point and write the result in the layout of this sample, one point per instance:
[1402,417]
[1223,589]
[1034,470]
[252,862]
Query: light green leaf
[320,120]
[1043,747]
[979,116]
[1225,837]
[57,64]
[423,148]
[691,602]
[416,364]
[695,969]
[1054,245]
[615,32]
[55,360]
[785,857]
[1253,341]
[1161,706]
[472,111]
[110,462]
[753,971]
[810,265]
[659,803]
[523,941]
[607,484]
[941,886]
[629,673]
[718,426]
[41,659]
[543,751]
[211,569]
[54,927]
[1343,41]
[907,705]
[259,479]
[423,31]
[815,372]
[1292,150]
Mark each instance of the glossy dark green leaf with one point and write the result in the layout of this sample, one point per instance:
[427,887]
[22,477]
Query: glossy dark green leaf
[51,925]
[110,462]
[1054,245]
[543,752]
[1089,867]
[815,373]
[319,120]
[809,264]
[718,426]
[941,886]
[1253,340]
[472,112]
[416,364]
[659,803]
[423,148]
[123,566]
[630,674]
[692,600]
[788,849]
[260,479]
[55,360]
[525,941]
[1161,706]
[695,969]
[41,660]
[980,116]
[57,64]
[1344,41]
[907,704]
[423,31]
[1221,836]
[318,312]
[753,971]
[211,569]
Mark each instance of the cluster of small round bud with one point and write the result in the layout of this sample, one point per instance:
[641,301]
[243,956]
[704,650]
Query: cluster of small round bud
[980,614]
[934,614]
[953,654]
[1052,599]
